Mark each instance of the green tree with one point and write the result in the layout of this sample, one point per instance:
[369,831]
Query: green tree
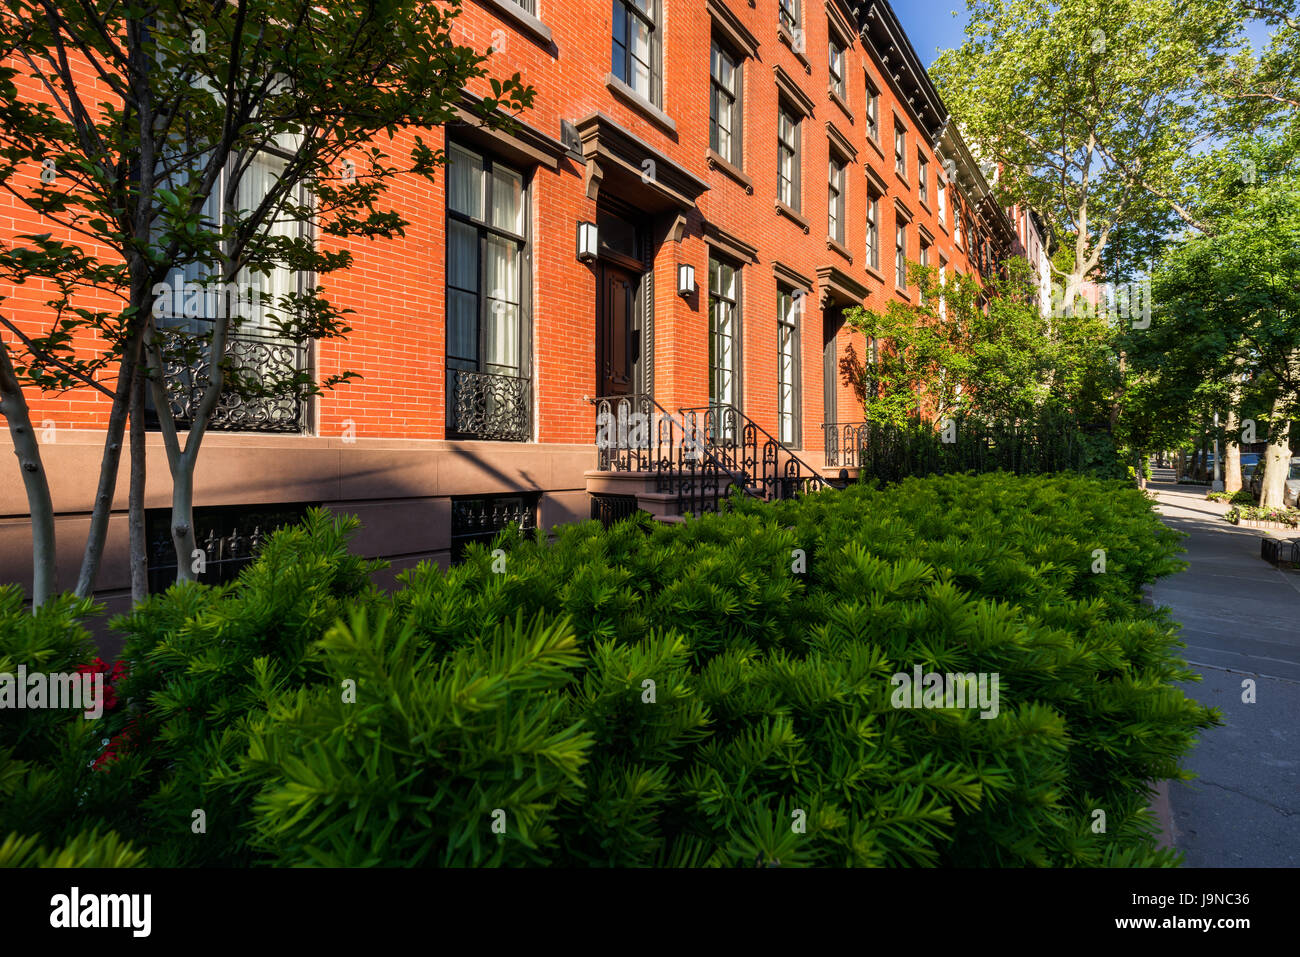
[1088,108]
[153,184]
[1228,308]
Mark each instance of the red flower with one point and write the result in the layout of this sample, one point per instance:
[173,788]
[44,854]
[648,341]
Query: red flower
[116,745]
[111,677]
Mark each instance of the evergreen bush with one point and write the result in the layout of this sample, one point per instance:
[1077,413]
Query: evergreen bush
[711,693]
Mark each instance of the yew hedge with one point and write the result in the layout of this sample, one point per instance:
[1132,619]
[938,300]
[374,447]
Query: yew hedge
[710,693]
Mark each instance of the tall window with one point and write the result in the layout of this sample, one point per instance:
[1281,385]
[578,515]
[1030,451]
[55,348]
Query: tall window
[724,334]
[925,261]
[942,196]
[873,230]
[787,166]
[923,177]
[900,254]
[787,367]
[724,105]
[788,14]
[636,46]
[900,149]
[873,111]
[528,5]
[835,224]
[956,224]
[486,216]
[943,285]
[837,67]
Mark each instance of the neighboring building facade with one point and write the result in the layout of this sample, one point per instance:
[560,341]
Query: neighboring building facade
[792,153]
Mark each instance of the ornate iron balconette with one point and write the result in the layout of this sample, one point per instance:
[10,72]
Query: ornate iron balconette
[488,405]
[262,363]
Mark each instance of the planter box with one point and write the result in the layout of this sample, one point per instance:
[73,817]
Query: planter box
[1260,523]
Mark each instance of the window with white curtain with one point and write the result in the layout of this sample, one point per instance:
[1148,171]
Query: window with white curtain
[486,216]
[635,54]
[787,367]
[724,334]
[254,300]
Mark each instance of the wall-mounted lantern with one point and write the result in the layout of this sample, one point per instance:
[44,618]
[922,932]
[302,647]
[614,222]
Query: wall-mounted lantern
[685,280]
[586,242]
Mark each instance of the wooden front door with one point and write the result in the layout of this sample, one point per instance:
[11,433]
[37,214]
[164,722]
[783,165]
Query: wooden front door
[617,339]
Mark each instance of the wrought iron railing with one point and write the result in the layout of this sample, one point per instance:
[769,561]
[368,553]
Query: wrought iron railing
[489,405]
[634,433]
[259,396]
[845,443]
[745,447]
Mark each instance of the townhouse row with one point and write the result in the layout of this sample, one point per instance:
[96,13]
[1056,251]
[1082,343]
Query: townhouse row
[699,193]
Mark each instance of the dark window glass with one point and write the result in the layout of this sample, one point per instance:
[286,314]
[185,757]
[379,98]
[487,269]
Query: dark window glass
[787,167]
[724,105]
[635,58]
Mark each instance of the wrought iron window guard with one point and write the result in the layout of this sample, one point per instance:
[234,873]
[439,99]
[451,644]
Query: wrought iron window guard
[262,364]
[489,405]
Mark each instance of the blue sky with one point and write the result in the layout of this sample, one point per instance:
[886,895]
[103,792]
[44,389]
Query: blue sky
[931,26]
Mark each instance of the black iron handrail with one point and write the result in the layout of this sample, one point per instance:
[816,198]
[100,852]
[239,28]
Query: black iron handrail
[774,468]
[648,438]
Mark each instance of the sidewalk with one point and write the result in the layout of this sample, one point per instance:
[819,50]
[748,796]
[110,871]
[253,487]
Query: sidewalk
[1241,620]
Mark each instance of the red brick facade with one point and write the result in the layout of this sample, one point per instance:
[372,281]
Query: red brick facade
[698,205]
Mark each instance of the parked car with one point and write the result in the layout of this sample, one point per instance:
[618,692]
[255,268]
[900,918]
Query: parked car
[1290,491]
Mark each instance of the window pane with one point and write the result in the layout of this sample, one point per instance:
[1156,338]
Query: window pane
[465,183]
[507,199]
[462,325]
[462,256]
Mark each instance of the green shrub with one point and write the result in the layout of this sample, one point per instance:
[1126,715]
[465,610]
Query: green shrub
[711,693]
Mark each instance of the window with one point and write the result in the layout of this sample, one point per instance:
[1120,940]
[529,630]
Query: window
[900,255]
[481,518]
[943,284]
[835,224]
[873,230]
[837,68]
[724,334]
[943,201]
[873,111]
[253,299]
[787,167]
[925,261]
[230,537]
[923,177]
[900,149]
[724,105]
[636,47]
[486,217]
[956,220]
[788,14]
[787,367]
[529,6]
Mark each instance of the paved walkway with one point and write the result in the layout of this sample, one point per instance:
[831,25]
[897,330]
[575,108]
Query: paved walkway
[1241,620]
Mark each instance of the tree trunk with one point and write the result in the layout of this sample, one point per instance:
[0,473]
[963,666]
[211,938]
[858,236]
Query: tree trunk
[1194,467]
[1277,458]
[108,465]
[13,406]
[1232,452]
[135,506]
[189,560]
